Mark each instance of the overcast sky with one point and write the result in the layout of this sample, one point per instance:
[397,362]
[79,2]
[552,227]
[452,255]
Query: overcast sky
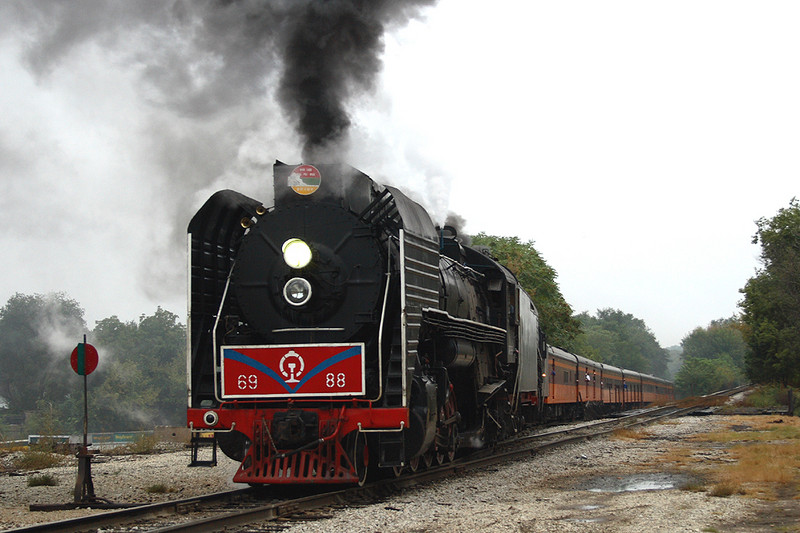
[635,143]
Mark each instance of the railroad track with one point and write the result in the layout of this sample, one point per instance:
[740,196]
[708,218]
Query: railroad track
[259,508]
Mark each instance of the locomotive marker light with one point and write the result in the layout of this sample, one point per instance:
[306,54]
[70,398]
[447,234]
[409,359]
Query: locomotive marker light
[211,418]
[297,291]
[296,253]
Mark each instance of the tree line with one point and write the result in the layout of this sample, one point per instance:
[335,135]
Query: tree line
[762,344]
[140,381]
[771,304]
[759,345]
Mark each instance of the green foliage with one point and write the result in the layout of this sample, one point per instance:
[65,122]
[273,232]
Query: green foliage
[38,332]
[720,337]
[622,340]
[144,382]
[770,396]
[140,380]
[539,280]
[700,376]
[771,303]
[713,359]
[674,360]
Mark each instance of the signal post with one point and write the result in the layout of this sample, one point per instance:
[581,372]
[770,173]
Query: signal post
[84,360]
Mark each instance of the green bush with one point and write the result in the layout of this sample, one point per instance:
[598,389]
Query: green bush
[159,488]
[767,396]
[43,480]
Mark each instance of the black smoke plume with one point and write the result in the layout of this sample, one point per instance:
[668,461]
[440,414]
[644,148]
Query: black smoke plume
[196,95]
[332,50]
[201,57]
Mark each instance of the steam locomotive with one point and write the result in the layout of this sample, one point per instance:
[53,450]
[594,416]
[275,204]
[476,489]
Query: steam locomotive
[339,332]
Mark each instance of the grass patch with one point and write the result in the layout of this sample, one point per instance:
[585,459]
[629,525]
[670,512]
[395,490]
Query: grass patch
[680,457]
[43,480]
[694,486]
[754,455]
[755,429]
[160,488]
[763,463]
[726,488]
[36,460]
[630,434]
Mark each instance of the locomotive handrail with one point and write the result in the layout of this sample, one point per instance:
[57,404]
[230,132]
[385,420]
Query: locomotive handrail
[380,337]
[466,270]
[214,333]
[448,316]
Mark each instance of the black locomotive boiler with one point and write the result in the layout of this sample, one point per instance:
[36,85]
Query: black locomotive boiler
[339,331]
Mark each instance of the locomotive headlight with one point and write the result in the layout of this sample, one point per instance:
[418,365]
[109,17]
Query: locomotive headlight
[297,291]
[296,253]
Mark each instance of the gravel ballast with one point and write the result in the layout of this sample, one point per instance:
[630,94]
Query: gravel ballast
[606,484]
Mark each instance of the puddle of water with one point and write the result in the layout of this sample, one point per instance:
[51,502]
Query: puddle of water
[638,485]
[634,482]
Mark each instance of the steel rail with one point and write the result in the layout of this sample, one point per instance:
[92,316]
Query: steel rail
[138,512]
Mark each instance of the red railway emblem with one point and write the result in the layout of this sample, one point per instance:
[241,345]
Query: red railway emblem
[295,365]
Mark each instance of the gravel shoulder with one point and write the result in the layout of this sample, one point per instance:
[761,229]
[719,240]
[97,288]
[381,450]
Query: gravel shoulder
[608,484]
[599,485]
[119,479]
